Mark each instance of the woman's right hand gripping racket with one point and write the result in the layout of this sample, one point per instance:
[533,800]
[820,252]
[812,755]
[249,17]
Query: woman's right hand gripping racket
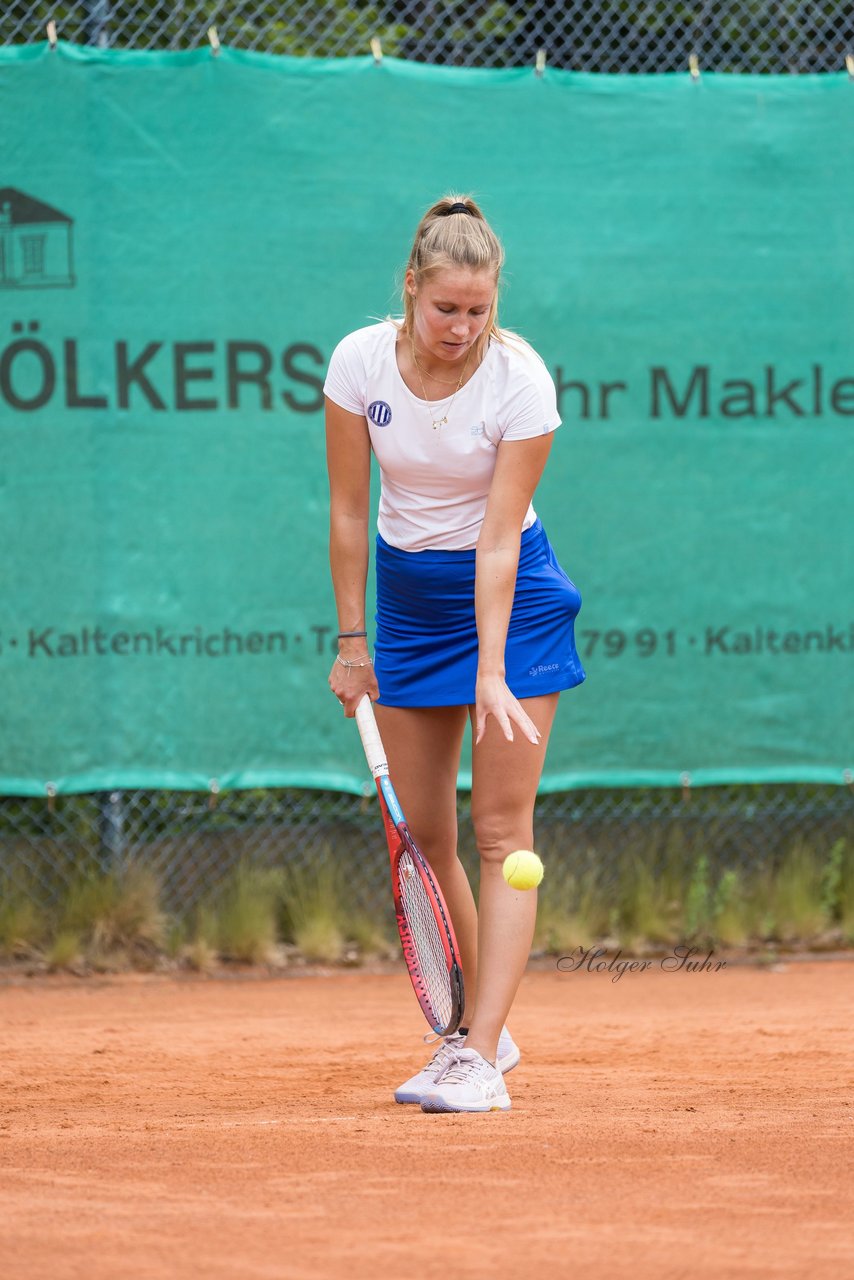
[423,920]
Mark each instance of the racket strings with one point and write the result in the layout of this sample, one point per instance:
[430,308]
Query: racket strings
[426,939]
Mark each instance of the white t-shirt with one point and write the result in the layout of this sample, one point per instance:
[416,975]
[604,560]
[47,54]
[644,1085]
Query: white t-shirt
[435,482]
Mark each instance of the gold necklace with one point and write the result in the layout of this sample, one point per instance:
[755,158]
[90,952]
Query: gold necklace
[438,423]
[443,381]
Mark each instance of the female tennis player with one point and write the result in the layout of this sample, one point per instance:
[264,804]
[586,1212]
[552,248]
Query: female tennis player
[475,617]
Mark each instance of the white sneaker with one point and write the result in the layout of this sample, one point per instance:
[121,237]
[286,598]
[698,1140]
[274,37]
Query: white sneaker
[469,1083]
[419,1085]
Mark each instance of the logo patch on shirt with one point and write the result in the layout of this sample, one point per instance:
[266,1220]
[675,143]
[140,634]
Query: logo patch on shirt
[478,429]
[379,413]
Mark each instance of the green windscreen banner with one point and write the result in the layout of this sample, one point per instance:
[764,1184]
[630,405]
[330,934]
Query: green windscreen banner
[183,240]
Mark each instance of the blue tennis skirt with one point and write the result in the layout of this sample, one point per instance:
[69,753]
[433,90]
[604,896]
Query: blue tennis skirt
[426,635]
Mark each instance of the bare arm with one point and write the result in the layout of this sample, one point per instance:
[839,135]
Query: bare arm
[348,460]
[518,469]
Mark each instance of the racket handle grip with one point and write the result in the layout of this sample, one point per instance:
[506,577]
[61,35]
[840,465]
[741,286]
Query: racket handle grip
[371,740]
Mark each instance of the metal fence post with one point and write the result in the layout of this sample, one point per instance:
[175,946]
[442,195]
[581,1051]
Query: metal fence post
[111,828]
[96,22]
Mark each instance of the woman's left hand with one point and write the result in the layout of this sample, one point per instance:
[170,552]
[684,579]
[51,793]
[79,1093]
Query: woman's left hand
[493,698]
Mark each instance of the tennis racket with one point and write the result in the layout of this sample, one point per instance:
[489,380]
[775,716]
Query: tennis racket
[423,920]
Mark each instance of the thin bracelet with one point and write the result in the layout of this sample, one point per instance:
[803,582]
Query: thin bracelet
[350,635]
[348,665]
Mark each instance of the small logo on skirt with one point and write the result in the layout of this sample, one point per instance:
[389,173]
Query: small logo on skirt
[543,669]
[379,413]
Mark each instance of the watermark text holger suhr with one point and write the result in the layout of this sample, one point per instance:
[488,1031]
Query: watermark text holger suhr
[682,959]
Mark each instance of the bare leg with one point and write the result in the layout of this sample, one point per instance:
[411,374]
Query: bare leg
[505,776]
[423,746]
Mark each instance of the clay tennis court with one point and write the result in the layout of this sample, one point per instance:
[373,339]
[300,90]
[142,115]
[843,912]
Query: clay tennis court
[664,1125]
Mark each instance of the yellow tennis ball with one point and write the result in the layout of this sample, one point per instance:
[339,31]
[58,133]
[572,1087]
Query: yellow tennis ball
[522,869]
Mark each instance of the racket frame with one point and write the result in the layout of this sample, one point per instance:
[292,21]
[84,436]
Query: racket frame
[400,841]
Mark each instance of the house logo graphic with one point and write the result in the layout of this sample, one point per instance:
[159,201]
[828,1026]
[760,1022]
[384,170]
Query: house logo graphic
[35,243]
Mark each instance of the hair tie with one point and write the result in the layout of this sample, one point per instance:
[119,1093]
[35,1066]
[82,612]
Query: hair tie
[459,207]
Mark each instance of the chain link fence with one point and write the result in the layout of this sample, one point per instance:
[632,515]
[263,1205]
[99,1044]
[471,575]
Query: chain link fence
[610,36]
[190,845]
